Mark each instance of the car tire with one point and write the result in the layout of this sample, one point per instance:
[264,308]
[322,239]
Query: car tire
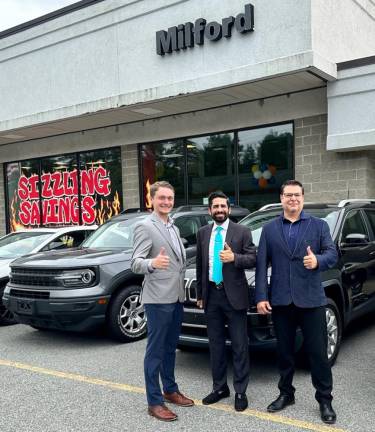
[6,316]
[334,330]
[126,317]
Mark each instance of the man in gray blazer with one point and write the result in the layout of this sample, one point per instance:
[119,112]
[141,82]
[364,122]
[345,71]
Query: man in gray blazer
[159,254]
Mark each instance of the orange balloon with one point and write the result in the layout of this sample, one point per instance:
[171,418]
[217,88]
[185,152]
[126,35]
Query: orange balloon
[262,182]
[272,169]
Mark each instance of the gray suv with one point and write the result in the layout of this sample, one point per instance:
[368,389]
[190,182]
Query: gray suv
[92,285]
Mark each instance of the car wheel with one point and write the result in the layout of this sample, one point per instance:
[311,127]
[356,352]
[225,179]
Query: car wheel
[334,330]
[126,318]
[6,316]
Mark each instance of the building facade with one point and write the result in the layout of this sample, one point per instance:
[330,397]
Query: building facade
[102,98]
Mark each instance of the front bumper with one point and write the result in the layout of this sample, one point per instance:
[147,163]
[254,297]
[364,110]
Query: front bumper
[57,309]
[194,330]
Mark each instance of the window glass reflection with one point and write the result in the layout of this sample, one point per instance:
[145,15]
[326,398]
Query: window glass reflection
[210,167]
[265,161]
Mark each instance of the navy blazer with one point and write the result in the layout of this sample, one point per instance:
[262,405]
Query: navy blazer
[236,287]
[291,282]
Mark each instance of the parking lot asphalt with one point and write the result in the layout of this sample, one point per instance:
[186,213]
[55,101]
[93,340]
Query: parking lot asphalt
[56,382]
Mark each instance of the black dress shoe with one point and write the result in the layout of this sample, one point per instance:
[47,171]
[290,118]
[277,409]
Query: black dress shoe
[280,403]
[327,413]
[240,402]
[215,396]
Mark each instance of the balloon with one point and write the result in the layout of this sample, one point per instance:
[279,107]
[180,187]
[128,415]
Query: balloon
[257,174]
[262,182]
[272,168]
[267,174]
[255,168]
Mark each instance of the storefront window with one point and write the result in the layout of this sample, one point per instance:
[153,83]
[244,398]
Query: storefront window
[265,161]
[73,189]
[59,191]
[163,161]
[23,194]
[101,185]
[210,167]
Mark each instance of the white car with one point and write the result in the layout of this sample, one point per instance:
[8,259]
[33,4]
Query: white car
[25,242]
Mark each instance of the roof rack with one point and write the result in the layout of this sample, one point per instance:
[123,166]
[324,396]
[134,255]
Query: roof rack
[269,206]
[346,202]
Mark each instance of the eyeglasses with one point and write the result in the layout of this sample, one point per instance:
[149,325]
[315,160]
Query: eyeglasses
[290,195]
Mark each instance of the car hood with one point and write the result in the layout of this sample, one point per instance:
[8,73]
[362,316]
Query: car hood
[74,258]
[4,267]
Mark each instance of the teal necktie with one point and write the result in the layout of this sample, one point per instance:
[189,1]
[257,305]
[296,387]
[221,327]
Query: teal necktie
[217,268]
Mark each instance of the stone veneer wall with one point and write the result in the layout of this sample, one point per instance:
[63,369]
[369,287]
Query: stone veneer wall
[330,176]
[130,176]
[2,201]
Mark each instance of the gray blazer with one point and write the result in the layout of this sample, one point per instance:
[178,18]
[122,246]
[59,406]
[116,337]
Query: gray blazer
[159,285]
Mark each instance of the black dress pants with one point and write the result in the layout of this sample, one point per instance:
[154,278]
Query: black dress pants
[218,313]
[314,329]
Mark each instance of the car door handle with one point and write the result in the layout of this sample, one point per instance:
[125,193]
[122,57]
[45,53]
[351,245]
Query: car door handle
[372,253]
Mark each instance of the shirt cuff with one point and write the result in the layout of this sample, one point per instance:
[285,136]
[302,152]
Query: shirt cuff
[149,266]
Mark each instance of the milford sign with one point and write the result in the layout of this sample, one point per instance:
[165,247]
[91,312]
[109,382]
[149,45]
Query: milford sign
[187,35]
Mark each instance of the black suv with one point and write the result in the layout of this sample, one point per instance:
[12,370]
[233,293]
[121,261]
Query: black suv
[350,286]
[92,285]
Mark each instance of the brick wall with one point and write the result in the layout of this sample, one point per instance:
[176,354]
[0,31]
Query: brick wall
[130,176]
[330,176]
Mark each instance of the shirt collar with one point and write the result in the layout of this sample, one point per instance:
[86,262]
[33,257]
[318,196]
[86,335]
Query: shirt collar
[303,216]
[169,222]
[223,225]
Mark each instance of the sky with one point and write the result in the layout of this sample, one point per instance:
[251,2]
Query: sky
[14,12]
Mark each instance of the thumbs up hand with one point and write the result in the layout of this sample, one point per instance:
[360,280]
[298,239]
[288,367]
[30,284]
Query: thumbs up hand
[309,261]
[226,255]
[161,261]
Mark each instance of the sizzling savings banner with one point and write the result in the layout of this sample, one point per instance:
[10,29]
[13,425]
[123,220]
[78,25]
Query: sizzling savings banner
[70,197]
[59,192]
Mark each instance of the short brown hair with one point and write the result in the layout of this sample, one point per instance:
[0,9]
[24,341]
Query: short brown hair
[159,184]
[291,183]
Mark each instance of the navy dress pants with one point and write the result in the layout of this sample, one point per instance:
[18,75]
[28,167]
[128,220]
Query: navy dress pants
[314,329]
[163,329]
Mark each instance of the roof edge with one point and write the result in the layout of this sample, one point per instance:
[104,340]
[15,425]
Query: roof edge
[47,17]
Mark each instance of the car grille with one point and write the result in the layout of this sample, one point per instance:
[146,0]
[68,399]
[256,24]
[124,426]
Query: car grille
[190,292]
[29,294]
[33,277]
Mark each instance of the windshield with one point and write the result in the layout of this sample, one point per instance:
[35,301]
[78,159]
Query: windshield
[114,234]
[257,220]
[21,243]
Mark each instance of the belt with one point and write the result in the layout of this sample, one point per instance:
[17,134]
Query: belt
[218,286]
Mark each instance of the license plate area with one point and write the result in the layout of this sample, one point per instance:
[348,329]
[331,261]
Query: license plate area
[25,307]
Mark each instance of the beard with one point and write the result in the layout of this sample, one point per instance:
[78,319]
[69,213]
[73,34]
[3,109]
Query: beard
[220,218]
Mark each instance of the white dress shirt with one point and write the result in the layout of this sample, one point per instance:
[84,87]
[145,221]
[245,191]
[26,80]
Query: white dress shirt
[212,242]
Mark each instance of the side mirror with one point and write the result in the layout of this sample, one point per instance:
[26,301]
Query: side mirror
[355,239]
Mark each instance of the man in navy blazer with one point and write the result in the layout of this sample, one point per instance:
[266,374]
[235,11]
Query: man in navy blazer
[298,247]
[225,297]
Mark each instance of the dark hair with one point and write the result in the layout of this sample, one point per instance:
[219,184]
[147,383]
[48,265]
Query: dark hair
[159,184]
[217,194]
[291,183]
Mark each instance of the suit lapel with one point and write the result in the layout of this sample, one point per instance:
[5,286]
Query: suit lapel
[230,233]
[206,244]
[305,223]
[282,237]
[164,232]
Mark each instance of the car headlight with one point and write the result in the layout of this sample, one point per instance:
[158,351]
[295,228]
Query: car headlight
[76,278]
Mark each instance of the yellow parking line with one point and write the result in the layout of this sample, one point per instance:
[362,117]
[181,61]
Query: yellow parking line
[274,418]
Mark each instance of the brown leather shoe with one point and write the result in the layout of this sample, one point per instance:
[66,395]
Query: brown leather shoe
[161,412]
[178,398]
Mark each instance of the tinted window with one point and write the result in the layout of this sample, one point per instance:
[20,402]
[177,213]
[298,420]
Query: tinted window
[257,220]
[371,218]
[188,226]
[353,224]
